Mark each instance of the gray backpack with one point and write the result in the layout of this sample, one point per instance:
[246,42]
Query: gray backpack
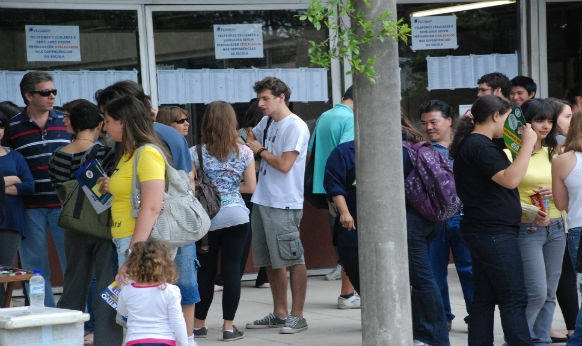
[182,219]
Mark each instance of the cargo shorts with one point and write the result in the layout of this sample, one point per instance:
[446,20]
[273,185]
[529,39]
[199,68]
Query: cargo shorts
[276,241]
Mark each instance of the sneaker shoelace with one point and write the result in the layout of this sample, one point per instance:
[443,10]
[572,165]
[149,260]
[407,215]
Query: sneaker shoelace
[292,321]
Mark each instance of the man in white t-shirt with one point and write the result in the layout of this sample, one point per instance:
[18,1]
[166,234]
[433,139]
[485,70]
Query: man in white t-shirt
[280,140]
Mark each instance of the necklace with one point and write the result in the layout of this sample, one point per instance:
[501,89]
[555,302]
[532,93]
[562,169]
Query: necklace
[83,139]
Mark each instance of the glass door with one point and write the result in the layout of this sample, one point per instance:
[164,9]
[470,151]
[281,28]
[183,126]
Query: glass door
[564,48]
[84,50]
[193,67]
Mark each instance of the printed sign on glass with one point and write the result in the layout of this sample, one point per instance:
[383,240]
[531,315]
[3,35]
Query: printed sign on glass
[238,41]
[52,43]
[437,32]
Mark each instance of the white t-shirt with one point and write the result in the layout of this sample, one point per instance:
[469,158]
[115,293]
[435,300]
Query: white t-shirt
[153,313]
[277,189]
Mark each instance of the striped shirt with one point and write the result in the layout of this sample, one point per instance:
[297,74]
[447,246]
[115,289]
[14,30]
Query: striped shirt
[62,166]
[37,145]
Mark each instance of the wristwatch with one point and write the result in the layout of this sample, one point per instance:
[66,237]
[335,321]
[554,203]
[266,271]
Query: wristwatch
[127,252]
[258,154]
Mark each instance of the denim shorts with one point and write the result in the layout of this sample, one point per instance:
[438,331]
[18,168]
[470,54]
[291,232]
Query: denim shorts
[187,265]
[276,239]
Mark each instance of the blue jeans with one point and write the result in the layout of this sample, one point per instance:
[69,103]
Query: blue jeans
[449,238]
[34,246]
[498,273]
[576,338]
[428,319]
[573,243]
[542,254]
[186,263]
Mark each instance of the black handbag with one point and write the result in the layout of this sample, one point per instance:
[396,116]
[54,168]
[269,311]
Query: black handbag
[205,190]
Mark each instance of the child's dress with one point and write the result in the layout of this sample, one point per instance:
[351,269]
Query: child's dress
[154,315]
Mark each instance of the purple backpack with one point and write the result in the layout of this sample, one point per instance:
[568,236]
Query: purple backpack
[430,186]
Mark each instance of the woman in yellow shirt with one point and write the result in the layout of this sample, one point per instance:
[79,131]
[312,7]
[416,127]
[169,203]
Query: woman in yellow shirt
[129,122]
[542,240]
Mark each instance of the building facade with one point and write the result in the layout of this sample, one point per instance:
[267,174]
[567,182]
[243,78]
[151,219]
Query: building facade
[191,52]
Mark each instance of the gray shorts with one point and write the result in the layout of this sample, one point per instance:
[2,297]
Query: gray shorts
[276,241]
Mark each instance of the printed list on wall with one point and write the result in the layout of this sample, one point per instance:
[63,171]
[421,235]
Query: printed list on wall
[238,41]
[52,43]
[463,71]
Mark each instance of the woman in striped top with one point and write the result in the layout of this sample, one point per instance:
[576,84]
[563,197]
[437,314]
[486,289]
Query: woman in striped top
[84,252]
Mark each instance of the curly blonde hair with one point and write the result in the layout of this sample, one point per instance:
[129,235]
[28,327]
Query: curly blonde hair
[151,261]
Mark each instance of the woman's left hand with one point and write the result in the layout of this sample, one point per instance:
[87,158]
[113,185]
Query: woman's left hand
[122,276]
[104,188]
[542,218]
[545,191]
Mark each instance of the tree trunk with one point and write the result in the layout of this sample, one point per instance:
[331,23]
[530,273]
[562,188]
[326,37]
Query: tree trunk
[383,253]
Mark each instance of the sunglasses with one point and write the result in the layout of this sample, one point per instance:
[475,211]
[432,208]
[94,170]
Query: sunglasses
[45,93]
[181,121]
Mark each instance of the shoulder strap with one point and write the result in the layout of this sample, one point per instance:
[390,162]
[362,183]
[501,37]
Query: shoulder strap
[269,121]
[135,185]
[200,162]
[90,154]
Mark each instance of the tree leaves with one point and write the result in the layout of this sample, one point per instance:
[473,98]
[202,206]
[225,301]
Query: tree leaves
[347,44]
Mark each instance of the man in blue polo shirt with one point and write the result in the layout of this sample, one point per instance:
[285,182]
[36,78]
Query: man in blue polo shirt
[36,133]
[334,127]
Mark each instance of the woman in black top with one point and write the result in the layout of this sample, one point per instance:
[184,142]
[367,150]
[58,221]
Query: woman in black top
[486,183]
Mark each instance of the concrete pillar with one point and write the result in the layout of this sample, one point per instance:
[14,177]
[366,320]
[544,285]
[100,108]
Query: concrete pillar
[386,314]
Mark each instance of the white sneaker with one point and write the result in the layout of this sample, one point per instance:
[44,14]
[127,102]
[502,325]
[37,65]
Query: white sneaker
[419,343]
[335,274]
[352,302]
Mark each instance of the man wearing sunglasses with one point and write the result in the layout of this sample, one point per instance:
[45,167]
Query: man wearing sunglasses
[36,133]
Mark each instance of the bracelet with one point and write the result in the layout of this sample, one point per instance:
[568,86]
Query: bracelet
[259,152]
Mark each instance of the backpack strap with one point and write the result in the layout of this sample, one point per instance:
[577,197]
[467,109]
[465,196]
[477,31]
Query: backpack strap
[413,149]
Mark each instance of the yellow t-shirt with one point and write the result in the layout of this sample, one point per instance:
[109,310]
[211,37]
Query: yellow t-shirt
[151,166]
[539,173]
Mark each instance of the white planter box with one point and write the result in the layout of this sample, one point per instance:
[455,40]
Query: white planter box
[54,326]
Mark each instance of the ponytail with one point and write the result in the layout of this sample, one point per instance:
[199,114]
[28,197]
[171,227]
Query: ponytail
[483,108]
[464,127]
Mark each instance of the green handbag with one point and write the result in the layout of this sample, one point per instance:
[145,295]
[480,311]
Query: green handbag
[77,214]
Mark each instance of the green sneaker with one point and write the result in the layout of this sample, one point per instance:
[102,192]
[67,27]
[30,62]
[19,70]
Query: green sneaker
[269,321]
[293,324]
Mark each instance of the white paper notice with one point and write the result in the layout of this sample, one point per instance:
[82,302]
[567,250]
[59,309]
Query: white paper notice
[238,41]
[438,32]
[439,76]
[52,43]
[463,71]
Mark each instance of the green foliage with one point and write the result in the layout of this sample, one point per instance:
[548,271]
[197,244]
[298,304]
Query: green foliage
[348,43]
